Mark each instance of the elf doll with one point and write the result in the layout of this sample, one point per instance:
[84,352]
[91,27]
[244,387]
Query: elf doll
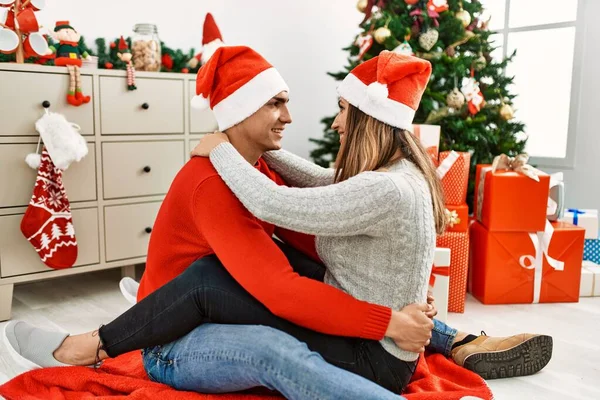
[125,55]
[211,41]
[69,54]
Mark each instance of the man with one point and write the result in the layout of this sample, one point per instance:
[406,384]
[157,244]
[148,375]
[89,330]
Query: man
[201,218]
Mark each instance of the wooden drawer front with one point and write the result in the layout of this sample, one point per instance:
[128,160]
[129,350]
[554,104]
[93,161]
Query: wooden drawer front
[23,94]
[121,110]
[126,229]
[18,257]
[17,178]
[201,121]
[124,166]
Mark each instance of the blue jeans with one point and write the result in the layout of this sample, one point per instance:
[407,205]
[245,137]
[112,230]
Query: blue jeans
[228,358]
[442,337]
[215,358]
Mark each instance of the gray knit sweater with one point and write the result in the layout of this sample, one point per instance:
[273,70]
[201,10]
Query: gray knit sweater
[375,232]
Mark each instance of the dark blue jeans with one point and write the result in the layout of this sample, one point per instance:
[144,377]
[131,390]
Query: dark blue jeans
[220,358]
[206,292]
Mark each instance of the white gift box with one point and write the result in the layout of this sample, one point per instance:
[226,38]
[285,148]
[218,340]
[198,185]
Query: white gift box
[586,219]
[590,280]
[441,259]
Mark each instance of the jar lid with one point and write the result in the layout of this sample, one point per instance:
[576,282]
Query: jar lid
[145,28]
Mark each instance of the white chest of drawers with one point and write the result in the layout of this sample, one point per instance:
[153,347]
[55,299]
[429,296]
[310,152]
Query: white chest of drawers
[138,140]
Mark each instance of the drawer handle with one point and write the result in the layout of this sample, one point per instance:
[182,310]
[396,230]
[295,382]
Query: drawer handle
[147,169]
[145,106]
[148,230]
[46,104]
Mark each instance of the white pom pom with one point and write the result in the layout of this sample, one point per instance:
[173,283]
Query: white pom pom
[377,91]
[33,160]
[200,102]
[209,49]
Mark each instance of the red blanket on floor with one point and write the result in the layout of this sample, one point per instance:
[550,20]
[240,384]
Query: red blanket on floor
[124,378]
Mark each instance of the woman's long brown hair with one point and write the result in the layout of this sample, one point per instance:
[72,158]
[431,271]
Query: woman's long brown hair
[371,144]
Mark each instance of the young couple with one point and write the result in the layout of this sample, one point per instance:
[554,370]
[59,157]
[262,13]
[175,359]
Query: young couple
[223,306]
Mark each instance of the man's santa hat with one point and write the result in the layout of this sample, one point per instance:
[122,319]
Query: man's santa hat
[235,82]
[388,87]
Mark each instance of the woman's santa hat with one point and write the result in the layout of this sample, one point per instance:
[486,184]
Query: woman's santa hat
[388,87]
[235,82]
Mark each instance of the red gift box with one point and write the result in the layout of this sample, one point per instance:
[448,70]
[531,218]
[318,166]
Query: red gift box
[526,267]
[458,243]
[429,136]
[508,201]
[458,218]
[453,171]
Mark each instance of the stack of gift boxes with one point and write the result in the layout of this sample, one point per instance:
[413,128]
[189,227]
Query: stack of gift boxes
[517,255]
[509,250]
[451,262]
[590,271]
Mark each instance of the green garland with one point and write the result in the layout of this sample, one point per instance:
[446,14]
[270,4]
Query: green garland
[173,60]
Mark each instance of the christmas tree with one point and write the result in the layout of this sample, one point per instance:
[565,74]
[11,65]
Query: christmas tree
[468,92]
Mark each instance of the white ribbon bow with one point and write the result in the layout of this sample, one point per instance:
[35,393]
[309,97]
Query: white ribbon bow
[541,243]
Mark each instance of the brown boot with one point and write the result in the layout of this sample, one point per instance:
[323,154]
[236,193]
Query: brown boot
[504,357]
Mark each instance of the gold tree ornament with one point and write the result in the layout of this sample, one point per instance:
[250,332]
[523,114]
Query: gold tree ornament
[464,17]
[362,5]
[480,62]
[382,34]
[437,115]
[506,112]
[455,99]
[451,50]
[428,39]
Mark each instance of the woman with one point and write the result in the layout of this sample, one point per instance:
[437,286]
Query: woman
[378,246]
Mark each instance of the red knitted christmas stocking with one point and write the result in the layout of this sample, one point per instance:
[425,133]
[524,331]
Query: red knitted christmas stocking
[47,223]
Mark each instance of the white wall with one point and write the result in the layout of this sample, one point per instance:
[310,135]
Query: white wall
[582,183]
[302,39]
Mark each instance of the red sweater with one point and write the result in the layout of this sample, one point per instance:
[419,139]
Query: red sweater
[201,216]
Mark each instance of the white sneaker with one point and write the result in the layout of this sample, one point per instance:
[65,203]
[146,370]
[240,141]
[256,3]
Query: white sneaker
[31,347]
[3,380]
[129,289]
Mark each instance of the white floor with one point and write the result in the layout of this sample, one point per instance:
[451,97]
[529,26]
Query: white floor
[82,303]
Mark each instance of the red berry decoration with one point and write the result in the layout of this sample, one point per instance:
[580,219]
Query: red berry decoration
[108,65]
[167,61]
